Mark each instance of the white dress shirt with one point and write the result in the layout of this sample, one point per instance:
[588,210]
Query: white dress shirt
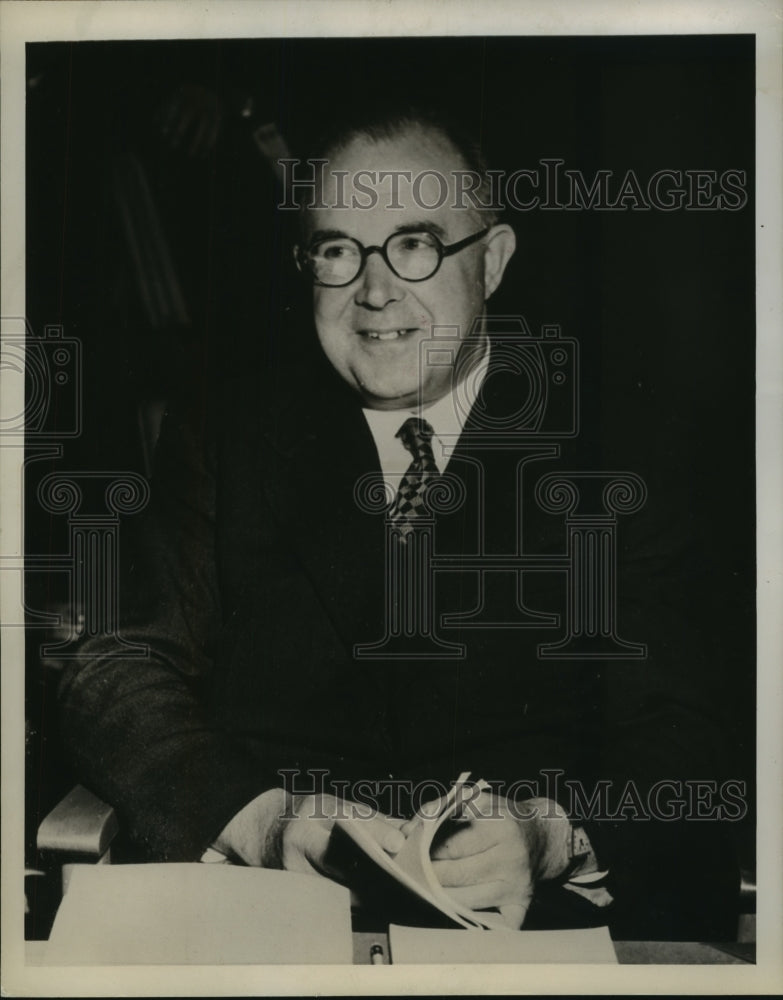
[446,416]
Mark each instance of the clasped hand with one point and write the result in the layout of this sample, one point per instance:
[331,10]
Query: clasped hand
[493,857]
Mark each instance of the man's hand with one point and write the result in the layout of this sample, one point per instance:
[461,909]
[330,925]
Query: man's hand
[277,830]
[499,851]
[305,839]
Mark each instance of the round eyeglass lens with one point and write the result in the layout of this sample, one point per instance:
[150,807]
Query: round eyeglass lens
[414,255]
[336,262]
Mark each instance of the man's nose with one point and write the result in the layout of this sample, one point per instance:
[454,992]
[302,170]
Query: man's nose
[379,285]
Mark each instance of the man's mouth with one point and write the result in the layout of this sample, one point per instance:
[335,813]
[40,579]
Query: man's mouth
[388,334]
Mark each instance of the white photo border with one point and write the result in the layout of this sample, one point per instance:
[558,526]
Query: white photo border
[41,20]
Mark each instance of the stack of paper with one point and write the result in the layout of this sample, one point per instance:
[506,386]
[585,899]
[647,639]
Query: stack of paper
[181,914]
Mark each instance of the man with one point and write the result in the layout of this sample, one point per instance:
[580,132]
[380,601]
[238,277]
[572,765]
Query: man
[262,578]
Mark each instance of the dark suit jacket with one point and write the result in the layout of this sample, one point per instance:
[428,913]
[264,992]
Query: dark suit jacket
[254,574]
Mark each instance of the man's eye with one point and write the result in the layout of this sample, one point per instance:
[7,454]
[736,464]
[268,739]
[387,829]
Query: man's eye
[417,241]
[334,251]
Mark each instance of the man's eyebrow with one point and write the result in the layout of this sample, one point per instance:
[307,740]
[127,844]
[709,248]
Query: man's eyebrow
[424,226]
[327,234]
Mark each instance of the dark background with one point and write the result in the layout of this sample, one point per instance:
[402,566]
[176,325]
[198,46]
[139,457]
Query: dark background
[662,303]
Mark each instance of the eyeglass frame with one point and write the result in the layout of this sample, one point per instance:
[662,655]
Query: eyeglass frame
[443,251]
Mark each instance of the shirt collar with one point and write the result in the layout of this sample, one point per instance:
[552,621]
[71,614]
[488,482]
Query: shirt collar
[447,416]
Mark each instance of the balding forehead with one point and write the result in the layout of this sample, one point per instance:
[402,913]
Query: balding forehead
[398,144]
[417,170]
[414,167]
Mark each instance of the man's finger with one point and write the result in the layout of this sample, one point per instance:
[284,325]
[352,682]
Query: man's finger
[481,896]
[461,871]
[389,837]
[465,841]
[410,825]
[386,830]
[514,914]
[394,821]
[482,867]
[305,846]
[494,894]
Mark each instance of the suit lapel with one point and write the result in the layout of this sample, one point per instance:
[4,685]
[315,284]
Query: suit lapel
[322,448]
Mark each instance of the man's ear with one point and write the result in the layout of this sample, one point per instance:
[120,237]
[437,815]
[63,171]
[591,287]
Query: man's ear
[500,245]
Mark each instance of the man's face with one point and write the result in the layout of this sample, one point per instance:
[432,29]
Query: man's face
[371,329]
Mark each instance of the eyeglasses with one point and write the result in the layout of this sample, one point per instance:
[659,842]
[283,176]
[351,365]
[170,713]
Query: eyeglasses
[412,256]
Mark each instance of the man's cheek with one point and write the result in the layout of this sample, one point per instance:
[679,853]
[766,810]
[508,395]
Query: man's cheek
[327,305]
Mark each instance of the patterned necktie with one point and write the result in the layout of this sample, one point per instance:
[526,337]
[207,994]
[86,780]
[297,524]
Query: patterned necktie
[416,434]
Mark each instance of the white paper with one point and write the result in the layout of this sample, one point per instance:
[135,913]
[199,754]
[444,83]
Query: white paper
[194,914]
[417,946]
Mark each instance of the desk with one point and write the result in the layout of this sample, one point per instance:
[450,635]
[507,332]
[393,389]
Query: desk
[628,952]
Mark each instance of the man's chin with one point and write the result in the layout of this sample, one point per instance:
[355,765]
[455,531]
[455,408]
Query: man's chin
[387,389]
[384,397]
[398,397]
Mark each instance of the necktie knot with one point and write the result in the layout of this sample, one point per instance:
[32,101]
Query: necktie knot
[416,434]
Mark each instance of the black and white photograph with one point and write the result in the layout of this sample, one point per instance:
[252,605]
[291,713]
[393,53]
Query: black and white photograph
[390,449]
